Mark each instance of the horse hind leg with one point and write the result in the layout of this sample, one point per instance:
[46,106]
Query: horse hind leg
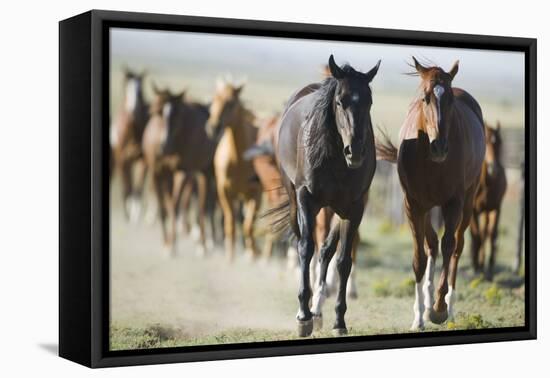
[432,249]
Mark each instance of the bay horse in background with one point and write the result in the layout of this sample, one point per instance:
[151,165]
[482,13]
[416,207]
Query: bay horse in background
[233,124]
[178,151]
[326,156]
[125,138]
[487,203]
[441,151]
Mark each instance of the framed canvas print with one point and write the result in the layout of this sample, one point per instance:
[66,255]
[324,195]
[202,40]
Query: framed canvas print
[234,188]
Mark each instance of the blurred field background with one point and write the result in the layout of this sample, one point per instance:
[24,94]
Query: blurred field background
[189,301]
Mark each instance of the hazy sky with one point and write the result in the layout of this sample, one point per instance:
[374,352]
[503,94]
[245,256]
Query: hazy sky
[489,72]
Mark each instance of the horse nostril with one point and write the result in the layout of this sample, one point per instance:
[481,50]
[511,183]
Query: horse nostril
[347,151]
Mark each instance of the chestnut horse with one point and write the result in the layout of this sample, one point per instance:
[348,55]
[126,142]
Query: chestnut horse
[442,147]
[125,138]
[326,156]
[233,123]
[487,203]
[179,153]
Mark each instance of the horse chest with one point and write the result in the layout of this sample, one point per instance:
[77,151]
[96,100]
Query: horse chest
[337,188]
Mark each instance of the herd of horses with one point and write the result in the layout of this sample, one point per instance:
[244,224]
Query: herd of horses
[314,164]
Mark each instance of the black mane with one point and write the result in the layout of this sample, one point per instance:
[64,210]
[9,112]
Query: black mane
[321,138]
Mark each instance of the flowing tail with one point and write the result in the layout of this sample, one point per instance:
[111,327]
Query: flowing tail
[385,150]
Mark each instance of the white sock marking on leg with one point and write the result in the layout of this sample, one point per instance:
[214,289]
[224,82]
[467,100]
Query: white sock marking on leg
[418,308]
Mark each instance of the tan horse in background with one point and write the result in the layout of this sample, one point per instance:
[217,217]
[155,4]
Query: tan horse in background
[235,178]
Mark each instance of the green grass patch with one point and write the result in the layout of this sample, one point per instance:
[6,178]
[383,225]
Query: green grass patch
[405,288]
[382,288]
[468,321]
[493,295]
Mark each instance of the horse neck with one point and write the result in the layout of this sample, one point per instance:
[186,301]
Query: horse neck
[239,128]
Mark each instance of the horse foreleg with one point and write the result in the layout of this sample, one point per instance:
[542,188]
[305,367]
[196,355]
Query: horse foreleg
[417,222]
[306,247]
[326,253]
[475,237]
[251,207]
[351,289]
[452,216]
[493,234]
[136,197]
[348,231]
[187,192]
[201,191]
[432,247]
[159,188]
[126,176]
[228,222]
[450,298]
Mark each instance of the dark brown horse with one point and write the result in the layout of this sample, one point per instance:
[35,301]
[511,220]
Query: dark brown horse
[487,203]
[442,147]
[125,138]
[178,152]
[326,156]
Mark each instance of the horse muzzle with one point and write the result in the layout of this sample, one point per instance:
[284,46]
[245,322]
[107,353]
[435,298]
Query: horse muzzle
[439,149]
[354,159]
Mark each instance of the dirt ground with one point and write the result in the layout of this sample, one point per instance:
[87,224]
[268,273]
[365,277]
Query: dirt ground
[189,300]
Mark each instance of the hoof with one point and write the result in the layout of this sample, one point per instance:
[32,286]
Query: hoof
[304,327]
[437,317]
[417,327]
[426,314]
[318,322]
[352,295]
[339,331]
[201,251]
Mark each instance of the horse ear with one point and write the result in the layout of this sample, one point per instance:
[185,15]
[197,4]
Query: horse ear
[125,71]
[372,73]
[454,70]
[498,126]
[220,84]
[419,67]
[335,70]
[155,88]
[238,90]
[181,95]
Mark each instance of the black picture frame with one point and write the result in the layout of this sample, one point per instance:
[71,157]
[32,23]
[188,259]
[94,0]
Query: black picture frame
[84,199]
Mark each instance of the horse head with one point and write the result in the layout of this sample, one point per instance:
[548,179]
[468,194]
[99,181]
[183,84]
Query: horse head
[493,142]
[170,107]
[351,105]
[437,107]
[133,87]
[224,106]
